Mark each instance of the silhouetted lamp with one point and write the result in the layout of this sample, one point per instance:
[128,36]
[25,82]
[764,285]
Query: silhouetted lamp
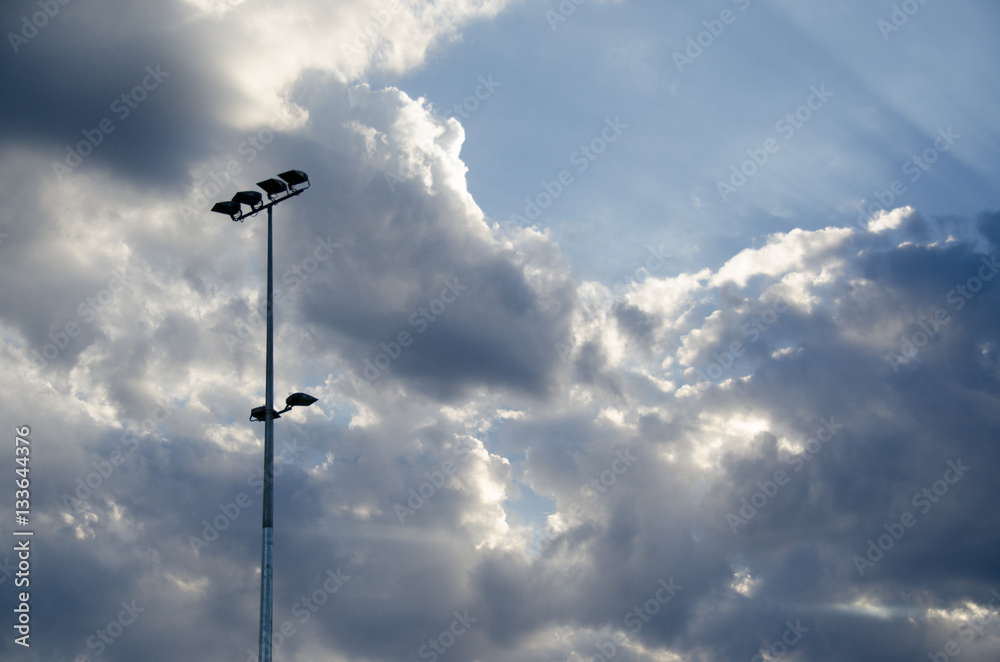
[273,187]
[229,208]
[299,400]
[278,190]
[251,199]
[294,177]
[293,400]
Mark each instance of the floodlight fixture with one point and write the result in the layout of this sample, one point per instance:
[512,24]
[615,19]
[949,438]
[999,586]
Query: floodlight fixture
[277,190]
[295,177]
[260,414]
[293,400]
[299,400]
[252,199]
[273,187]
[229,208]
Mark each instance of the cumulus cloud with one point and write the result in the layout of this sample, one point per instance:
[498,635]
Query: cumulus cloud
[506,462]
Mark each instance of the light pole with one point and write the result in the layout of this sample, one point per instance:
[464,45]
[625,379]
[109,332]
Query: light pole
[278,190]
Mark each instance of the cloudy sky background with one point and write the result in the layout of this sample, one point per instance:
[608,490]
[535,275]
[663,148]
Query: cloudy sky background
[608,352]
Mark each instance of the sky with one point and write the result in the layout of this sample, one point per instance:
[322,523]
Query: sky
[640,331]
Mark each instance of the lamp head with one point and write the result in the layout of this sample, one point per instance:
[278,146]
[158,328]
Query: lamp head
[251,199]
[295,177]
[299,400]
[273,187]
[229,208]
[260,414]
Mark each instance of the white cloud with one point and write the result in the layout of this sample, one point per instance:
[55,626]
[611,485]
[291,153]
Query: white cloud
[672,452]
[268,47]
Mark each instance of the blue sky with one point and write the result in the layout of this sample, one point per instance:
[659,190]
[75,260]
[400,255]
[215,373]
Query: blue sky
[689,125]
[729,393]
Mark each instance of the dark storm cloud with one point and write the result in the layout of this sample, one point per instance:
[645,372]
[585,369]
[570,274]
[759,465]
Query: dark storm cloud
[142,102]
[472,318]
[594,520]
[900,431]
[649,521]
[655,519]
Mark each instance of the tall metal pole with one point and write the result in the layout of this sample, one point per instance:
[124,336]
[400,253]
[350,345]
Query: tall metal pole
[234,209]
[266,572]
